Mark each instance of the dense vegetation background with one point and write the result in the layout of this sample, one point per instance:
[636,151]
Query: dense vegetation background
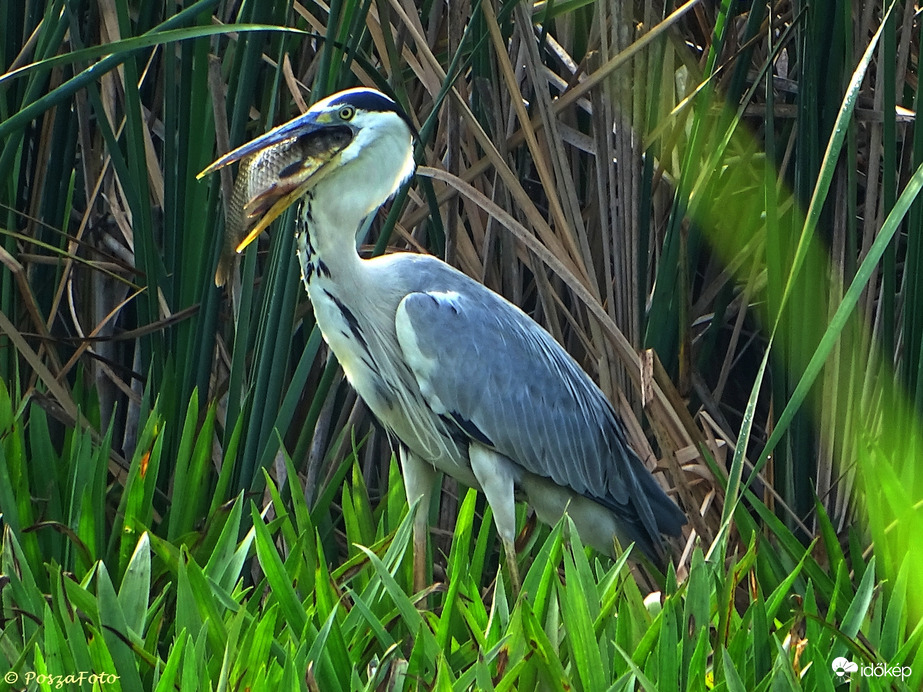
[713,206]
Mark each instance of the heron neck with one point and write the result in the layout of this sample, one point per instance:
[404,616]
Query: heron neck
[327,241]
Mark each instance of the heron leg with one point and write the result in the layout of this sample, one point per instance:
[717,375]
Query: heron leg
[496,476]
[419,478]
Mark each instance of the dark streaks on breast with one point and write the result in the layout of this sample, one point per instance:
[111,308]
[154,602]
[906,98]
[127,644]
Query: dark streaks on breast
[354,327]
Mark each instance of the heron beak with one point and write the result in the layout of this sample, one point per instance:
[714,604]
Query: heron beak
[284,164]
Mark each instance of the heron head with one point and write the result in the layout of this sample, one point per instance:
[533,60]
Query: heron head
[359,135]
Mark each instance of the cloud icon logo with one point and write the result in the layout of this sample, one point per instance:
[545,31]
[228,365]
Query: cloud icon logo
[843,666]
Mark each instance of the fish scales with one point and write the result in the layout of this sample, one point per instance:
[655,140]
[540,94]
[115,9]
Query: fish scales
[268,174]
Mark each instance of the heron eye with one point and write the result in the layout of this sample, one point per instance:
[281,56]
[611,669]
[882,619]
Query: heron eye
[347,113]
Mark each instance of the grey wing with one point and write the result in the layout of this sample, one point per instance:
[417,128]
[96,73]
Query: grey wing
[503,380]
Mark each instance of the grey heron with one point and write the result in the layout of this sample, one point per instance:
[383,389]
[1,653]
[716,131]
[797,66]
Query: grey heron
[463,380]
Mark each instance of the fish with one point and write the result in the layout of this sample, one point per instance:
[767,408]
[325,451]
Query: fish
[266,177]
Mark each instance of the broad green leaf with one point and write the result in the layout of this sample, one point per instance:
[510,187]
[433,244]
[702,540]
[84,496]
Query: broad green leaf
[135,590]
